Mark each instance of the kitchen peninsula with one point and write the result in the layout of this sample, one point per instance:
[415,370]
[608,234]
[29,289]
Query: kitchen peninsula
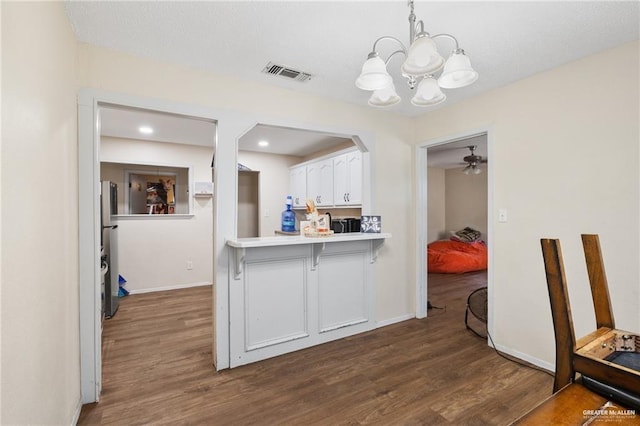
[291,292]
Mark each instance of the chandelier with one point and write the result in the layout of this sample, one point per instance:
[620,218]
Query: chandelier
[422,62]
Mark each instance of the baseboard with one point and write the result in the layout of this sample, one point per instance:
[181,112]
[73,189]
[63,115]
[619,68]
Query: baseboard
[528,358]
[395,320]
[76,415]
[169,287]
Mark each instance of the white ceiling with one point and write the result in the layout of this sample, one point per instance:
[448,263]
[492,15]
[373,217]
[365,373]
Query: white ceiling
[506,41]
[122,122]
[286,141]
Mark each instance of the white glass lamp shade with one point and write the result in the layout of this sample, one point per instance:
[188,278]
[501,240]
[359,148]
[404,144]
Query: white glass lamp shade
[384,97]
[422,58]
[374,75]
[457,71]
[472,169]
[428,93]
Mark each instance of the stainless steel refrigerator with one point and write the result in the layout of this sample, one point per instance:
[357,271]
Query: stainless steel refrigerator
[109,208]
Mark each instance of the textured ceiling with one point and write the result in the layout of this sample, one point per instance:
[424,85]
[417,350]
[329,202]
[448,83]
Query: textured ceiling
[506,41]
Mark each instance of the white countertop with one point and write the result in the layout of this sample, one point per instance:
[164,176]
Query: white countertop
[284,240]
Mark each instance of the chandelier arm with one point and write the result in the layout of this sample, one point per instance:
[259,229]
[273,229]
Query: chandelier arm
[375,44]
[394,53]
[449,36]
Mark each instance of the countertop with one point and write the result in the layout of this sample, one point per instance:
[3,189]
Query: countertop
[284,240]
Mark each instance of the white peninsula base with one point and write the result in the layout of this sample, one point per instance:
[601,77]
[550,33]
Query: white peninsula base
[288,293]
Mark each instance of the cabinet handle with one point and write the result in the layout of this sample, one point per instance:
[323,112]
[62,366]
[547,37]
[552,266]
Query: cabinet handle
[344,197]
[348,196]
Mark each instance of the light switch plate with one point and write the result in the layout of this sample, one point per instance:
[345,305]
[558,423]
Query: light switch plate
[502,215]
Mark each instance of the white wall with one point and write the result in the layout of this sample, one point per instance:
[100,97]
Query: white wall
[153,251]
[274,185]
[455,200]
[436,212]
[465,201]
[581,175]
[39,270]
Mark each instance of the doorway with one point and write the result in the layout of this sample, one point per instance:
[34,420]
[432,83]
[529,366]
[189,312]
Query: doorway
[90,126]
[429,227]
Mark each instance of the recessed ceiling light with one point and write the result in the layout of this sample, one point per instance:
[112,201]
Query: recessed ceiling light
[145,130]
[263,143]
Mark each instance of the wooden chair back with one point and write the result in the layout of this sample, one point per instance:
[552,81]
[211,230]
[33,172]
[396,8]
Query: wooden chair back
[598,281]
[571,358]
[560,313]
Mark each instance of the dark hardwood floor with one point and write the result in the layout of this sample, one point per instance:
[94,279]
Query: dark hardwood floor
[158,370]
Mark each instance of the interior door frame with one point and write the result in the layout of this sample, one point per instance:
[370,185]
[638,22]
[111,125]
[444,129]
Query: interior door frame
[421,216]
[89,104]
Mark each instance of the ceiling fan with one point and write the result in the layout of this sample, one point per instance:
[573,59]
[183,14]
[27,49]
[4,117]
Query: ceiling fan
[473,161]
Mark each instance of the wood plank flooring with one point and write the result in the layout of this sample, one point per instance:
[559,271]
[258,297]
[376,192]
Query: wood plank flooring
[157,367]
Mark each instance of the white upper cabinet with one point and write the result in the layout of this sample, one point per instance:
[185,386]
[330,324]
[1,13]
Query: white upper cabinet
[347,179]
[298,185]
[333,181]
[320,182]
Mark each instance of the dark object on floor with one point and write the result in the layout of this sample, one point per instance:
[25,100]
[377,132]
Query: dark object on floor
[477,305]
[430,306]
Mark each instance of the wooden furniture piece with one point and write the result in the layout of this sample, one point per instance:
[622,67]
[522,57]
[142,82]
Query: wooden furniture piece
[560,312]
[589,355]
[595,355]
[598,281]
[574,405]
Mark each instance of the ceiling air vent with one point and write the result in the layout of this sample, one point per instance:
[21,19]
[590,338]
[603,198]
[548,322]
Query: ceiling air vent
[286,72]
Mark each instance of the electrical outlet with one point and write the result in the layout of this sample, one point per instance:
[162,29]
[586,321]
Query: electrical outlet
[189,265]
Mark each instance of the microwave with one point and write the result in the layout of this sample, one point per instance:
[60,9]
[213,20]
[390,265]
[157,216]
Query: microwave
[340,226]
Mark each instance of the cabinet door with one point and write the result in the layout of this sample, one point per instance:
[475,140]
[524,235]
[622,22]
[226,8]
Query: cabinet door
[298,185]
[347,179]
[340,180]
[320,182]
[354,174]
